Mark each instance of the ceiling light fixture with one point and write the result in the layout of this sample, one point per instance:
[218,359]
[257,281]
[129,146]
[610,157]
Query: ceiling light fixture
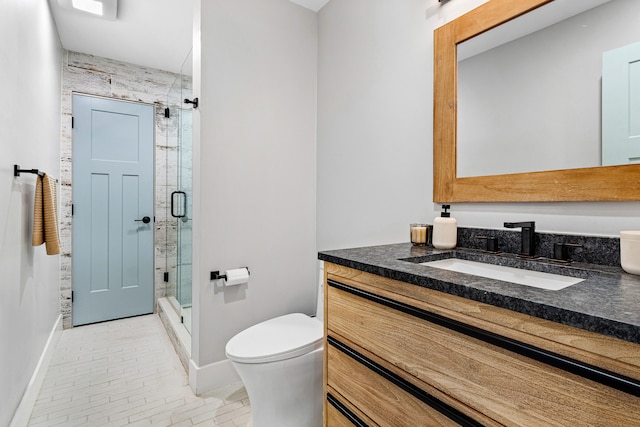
[105,9]
[90,6]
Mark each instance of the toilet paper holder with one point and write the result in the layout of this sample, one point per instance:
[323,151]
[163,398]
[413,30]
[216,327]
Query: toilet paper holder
[215,275]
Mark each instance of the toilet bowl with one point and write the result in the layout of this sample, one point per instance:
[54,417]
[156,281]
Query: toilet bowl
[280,364]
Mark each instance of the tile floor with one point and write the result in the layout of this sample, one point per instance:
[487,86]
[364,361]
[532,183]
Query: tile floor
[126,373]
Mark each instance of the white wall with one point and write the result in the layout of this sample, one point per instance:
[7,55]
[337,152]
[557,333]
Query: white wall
[254,165]
[375,124]
[30,58]
[374,121]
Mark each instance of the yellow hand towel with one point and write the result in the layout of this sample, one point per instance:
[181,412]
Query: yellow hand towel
[45,215]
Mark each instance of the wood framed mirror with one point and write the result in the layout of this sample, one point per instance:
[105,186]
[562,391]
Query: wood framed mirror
[602,183]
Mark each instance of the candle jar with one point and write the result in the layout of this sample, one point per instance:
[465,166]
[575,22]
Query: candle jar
[630,251]
[420,234]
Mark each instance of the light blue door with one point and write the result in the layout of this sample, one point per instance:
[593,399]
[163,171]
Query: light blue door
[112,195]
[621,105]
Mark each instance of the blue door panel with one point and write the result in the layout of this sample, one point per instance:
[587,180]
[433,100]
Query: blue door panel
[130,234]
[99,243]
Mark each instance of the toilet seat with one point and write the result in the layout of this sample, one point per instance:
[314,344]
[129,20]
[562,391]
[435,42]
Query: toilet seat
[276,339]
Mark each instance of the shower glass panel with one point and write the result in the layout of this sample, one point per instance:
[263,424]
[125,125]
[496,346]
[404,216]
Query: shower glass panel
[179,194]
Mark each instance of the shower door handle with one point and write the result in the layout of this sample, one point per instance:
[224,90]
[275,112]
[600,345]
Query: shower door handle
[182,212]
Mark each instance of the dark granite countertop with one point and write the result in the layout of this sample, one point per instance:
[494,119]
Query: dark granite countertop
[606,302]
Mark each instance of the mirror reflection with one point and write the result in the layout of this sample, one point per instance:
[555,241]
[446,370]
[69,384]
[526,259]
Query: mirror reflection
[563,94]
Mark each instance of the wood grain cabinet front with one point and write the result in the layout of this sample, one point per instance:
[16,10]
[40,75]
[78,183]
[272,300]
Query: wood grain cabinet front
[375,391]
[336,418]
[398,361]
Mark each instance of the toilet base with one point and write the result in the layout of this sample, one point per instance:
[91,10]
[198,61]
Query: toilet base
[286,393]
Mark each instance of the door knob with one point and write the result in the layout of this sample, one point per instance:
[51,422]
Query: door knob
[145,219]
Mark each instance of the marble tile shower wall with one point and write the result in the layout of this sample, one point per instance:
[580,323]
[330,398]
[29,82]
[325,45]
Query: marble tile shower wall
[93,75]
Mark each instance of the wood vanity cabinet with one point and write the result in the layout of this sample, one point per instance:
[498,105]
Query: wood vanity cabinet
[398,354]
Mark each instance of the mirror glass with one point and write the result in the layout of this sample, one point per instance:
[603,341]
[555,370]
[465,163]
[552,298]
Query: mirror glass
[548,90]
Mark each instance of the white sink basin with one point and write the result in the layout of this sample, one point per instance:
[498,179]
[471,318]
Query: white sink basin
[536,279]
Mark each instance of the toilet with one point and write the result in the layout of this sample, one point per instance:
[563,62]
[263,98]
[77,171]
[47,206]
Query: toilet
[280,364]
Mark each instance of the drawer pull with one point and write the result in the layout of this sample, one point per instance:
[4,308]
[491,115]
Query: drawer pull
[355,420]
[590,372]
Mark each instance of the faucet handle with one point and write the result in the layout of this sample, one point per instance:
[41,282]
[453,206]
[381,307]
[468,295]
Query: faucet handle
[561,250]
[492,243]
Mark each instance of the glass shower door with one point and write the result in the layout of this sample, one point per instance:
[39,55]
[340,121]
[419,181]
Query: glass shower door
[179,175]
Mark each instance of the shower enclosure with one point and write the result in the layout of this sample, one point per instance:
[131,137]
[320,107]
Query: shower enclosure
[179,194]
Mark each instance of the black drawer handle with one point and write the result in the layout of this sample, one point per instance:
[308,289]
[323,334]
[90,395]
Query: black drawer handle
[346,412]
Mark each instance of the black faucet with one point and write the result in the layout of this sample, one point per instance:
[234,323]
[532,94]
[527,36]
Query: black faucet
[528,236]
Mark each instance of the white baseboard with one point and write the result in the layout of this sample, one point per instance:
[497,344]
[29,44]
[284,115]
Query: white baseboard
[23,413]
[204,379]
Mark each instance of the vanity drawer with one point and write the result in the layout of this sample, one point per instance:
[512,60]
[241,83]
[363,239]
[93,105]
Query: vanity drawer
[376,396]
[508,387]
[615,355]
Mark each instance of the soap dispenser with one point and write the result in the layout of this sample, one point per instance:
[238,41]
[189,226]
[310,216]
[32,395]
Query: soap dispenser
[445,230]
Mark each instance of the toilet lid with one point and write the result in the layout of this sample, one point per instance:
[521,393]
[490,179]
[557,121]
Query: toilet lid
[276,339]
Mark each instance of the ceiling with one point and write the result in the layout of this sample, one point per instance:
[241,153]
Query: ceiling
[151,33]
[314,5]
